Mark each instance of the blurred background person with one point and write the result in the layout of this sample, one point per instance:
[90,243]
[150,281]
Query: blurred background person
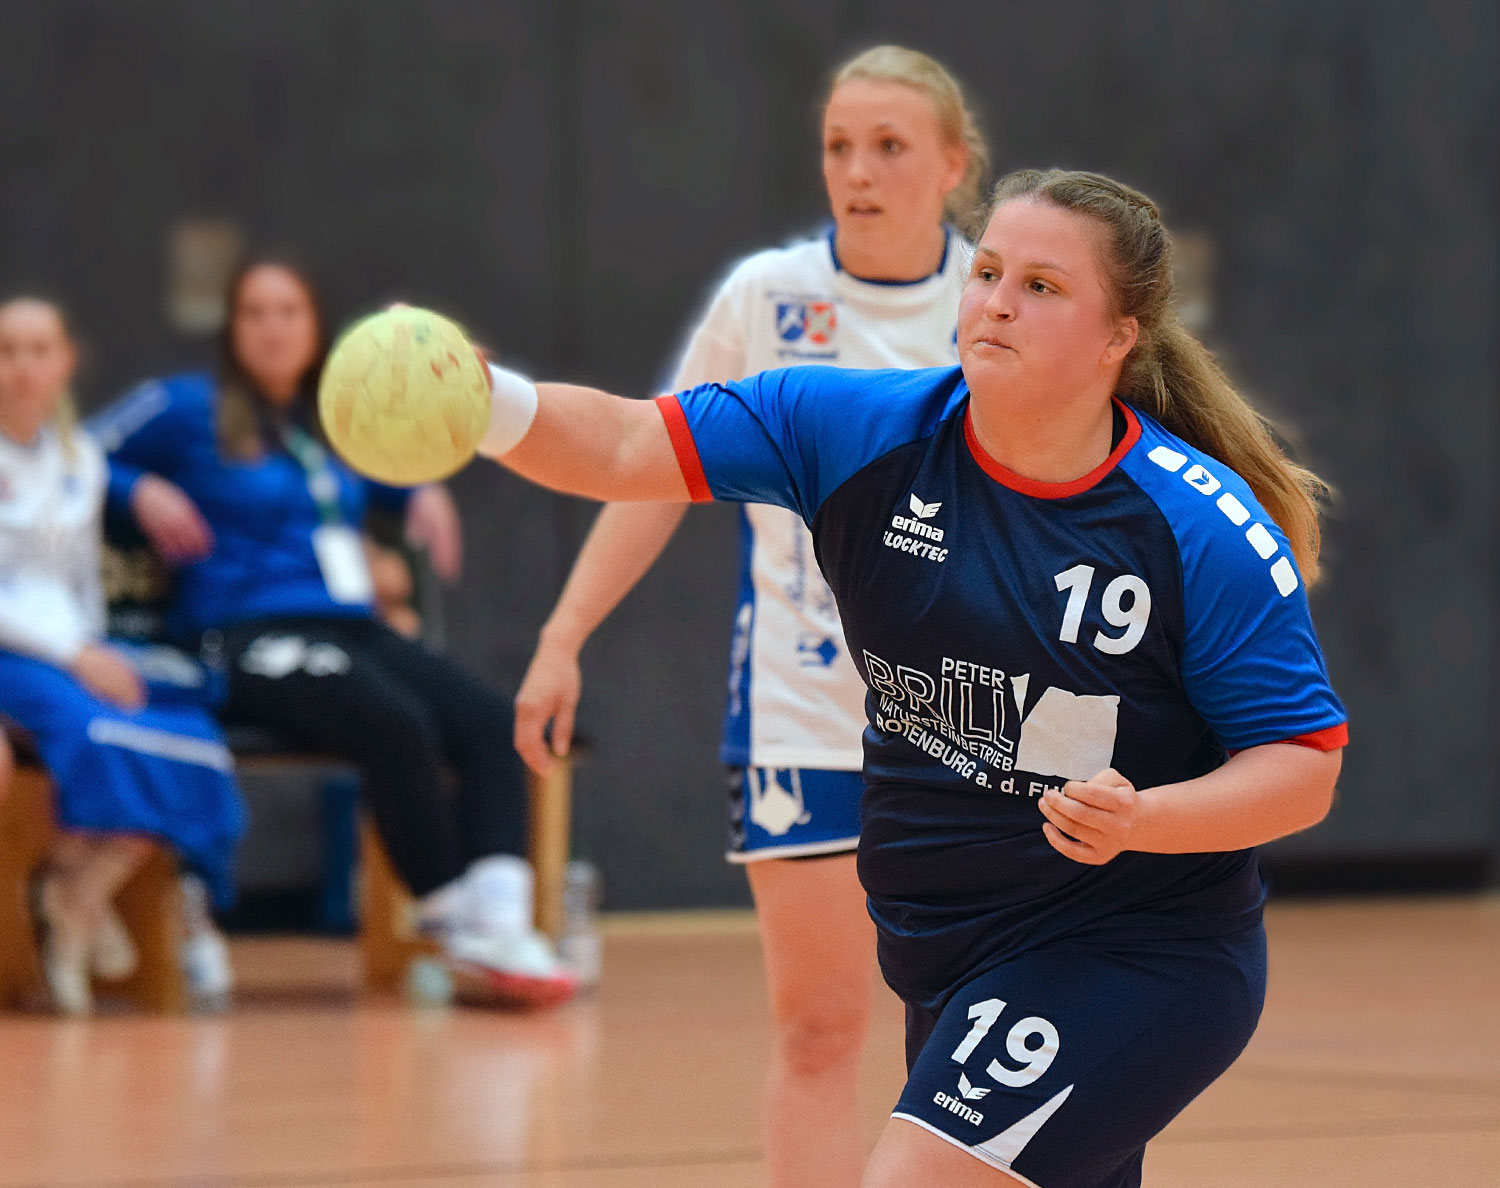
[228,477]
[902,162]
[125,771]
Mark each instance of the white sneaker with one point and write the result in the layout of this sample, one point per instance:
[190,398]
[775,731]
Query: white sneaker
[441,912]
[112,954]
[498,896]
[518,969]
[204,958]
[66,944]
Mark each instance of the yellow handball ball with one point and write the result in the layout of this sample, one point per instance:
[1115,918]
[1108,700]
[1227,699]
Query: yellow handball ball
[404,399]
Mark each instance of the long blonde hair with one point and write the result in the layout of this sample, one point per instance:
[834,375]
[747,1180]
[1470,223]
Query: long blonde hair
[1169,374]
[914,69]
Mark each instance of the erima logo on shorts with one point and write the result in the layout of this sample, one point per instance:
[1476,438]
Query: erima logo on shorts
[917,525]
[954,1106]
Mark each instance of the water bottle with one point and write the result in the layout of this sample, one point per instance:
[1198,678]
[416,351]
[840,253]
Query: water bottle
[580,946]
[428,982]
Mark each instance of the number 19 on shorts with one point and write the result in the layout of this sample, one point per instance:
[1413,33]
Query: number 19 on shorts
[1034,1060]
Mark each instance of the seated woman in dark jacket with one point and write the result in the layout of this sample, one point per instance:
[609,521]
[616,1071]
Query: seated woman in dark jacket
[229,478]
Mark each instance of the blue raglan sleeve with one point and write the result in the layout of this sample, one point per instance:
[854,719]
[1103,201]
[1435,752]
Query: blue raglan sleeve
[1251,664]
[792,437]
[146,430]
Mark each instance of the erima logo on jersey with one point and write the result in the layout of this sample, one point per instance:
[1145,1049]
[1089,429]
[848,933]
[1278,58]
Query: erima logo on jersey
[1283,573]
[954,1106]
[917,525]
[970,1092]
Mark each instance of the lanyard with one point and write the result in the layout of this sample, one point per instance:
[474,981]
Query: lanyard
[322,482]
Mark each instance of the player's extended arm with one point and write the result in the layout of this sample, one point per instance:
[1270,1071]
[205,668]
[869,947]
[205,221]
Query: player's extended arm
[583,441]
[1262,793]
[624,542]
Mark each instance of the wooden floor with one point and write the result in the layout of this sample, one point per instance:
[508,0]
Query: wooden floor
[1377,1063]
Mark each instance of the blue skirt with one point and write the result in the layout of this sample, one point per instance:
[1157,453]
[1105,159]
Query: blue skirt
[162,771]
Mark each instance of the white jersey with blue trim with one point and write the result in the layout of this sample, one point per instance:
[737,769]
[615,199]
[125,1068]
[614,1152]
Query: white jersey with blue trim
[795,697]
[51,498]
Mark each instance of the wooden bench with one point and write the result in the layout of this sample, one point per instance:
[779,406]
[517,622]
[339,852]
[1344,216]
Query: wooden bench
[149,902]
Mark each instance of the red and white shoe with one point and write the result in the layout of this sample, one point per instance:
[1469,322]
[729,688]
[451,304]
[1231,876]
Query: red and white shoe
[514,969]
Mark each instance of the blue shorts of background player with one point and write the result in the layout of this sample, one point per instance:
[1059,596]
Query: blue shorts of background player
[792,812]
[1059,1064]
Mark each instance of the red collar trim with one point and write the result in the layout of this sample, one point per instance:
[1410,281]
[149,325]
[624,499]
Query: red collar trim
[1040,490]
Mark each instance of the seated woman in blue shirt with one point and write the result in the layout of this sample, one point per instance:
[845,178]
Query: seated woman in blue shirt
[228,477]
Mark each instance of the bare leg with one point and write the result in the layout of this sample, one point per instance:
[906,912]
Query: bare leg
[909,1157]
[819,946]
[91,869]
[76,895]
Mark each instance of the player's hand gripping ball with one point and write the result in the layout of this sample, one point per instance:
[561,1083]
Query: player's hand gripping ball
[404,398]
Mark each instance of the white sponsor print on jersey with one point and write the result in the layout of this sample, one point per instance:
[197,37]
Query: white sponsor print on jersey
[971,1092]
[964,719]
[1069,735]
[1283,572]
[913,533]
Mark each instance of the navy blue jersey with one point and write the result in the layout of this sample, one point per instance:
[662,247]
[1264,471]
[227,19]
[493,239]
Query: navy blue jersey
[1014,635]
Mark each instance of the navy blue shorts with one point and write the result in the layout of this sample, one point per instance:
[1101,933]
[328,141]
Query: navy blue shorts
[792,812]
[1060,1064]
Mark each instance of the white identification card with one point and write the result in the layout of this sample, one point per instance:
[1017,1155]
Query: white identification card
[341,557]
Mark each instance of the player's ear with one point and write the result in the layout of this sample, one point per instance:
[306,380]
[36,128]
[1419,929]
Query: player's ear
[956,164]
[1122,341]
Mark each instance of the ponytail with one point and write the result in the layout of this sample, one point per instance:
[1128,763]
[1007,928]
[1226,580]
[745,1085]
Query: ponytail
[1169,374]
[1187,391]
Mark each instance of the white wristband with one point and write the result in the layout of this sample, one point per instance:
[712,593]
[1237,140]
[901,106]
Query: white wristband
[512,409]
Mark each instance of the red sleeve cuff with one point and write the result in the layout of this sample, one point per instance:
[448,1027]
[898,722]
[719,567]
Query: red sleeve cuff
[685,448]
[1330,739]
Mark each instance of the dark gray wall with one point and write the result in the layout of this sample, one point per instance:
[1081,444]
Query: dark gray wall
[570,177]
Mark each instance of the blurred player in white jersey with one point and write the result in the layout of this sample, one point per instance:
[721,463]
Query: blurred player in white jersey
[902,161]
